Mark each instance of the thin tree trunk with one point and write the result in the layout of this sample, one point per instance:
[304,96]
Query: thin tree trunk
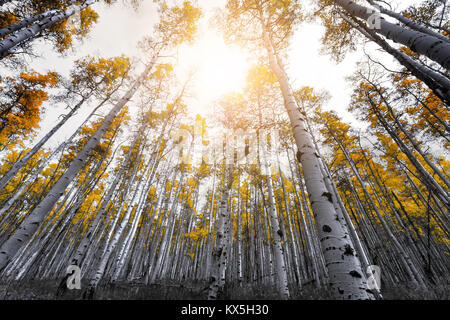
[25,22]
[408,22]
[31,223]
[8,45]
[346,278]
[430,46]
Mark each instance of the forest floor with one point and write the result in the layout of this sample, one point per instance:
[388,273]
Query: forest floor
[45,290]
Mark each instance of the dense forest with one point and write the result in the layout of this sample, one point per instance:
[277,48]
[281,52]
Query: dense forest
[271,193]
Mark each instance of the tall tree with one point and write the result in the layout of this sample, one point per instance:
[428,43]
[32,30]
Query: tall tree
[270,24]
[176,26]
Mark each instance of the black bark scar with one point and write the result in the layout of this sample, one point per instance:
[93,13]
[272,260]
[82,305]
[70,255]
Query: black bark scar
[328,195]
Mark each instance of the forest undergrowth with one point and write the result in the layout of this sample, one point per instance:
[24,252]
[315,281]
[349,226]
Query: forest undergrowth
[198,290]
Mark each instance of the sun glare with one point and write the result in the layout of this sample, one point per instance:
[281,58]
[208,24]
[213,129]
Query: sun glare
[218,69]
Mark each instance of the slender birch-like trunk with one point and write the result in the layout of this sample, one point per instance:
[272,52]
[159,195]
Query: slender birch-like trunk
[277,236]
[434,80]
[430,46]
[7,205]
[425,175]
[19,164]
[33,220]
[411,269]
[346,278]
[25,22]
[7,46]
[239,233]
[219,253]
[408,22]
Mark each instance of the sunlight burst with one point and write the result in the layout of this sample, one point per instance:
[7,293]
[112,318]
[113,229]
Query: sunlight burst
[219,69]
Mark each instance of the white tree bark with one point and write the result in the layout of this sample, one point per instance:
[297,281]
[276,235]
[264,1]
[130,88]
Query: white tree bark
[277,234]
[219,254]
[434,80]
[430,46]
[19,164]
[408,22]
[25,22]
[346,278]
[43,165]
[2,2]
[7,45]
[32,221]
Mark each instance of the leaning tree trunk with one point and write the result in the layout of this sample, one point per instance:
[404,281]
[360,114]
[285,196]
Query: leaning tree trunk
[430,46]
[2,2]
[7,46]
[25,22]
[408,22]
[439,84]
[426,177]
[30,224]
[88,238]
[94,281]
[346,278]
[409,265]
[19,164]
[7,205]
[412,141]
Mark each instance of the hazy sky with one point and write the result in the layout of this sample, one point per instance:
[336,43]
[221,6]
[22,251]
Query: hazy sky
[219,68]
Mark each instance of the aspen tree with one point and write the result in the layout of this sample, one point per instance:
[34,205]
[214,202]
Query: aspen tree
[183,25]
[8,45]
[347,280]
[423,43]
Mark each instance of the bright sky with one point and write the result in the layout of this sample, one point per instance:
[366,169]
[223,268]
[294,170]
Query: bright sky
[219,68]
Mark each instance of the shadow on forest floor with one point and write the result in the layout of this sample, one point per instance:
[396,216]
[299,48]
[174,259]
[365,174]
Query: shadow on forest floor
[190,290]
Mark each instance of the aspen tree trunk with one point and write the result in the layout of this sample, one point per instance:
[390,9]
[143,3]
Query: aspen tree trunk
[25,22]
[412,246]
[277,235]
[79,198]
[89,293]
[408,22]
[430,46]
[434,80]
[37,244]
[341,210]
[19,164]
[412,141]
[6,206]
[2,2]
[161,225]
[169,210]
[239,232]
[161,210]
[427,178]
[219,254]
[114,236]
[33,220]
[413,272]
[210,244]
[88,238]
[292,236]
[346,278]
[143,194]
[440,220]
[137,212]
[303,210]
[7,46]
